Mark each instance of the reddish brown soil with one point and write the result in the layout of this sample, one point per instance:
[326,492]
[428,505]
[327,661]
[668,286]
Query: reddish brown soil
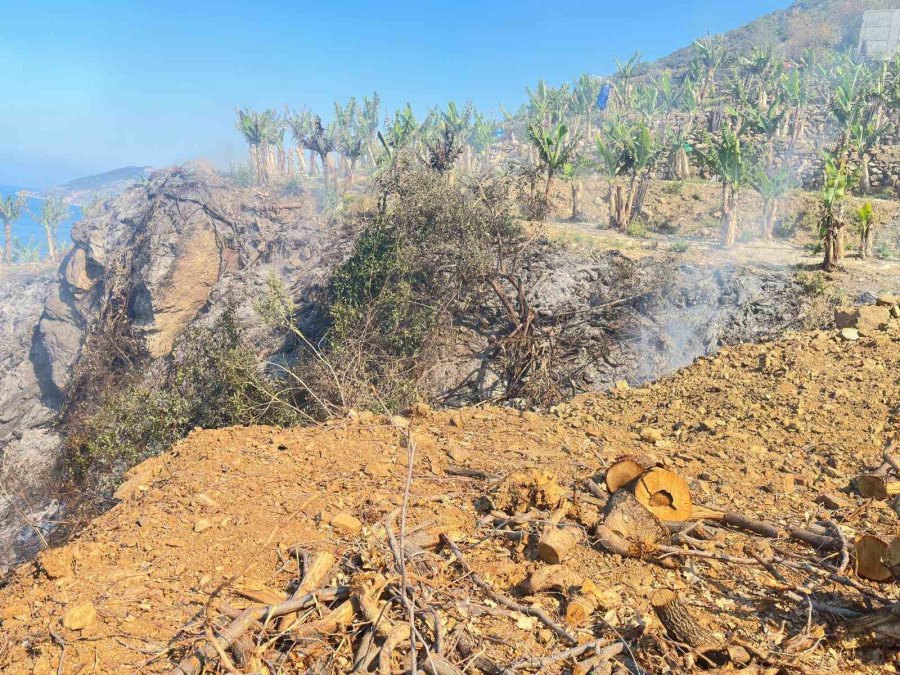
[227,502]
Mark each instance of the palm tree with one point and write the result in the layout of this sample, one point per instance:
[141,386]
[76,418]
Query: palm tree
[53,212]
[727,160]
[554,150]
[11,210]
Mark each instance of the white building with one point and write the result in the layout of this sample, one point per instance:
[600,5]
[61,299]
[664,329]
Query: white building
[880,34]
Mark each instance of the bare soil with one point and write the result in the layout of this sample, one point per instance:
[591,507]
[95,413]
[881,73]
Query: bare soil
[199,526]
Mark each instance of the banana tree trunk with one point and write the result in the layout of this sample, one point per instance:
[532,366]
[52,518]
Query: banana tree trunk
[865,181]
[576,199]
[313,165]
[51,242]
[834,245]
[769,210]
[729,217]
[301,161]
[866,241]
[7,241]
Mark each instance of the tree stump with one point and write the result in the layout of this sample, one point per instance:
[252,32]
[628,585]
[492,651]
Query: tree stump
[626,469]
[870,551]
[680,623]
[627,517]
[665,494]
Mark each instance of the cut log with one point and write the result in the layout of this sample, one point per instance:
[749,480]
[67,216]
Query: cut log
[626,469]
[680,623]
[627,517]
[554,577]
[891,557]
[556,543]
[883,623]
[870,551]
[665,494]
[877,486]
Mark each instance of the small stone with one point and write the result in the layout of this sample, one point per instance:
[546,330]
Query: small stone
[56,563]
[849,334]
[377,469]
[831,501]
[887,300]
[621,385]
[895,311]
[202,524]
[456,420]
[738,655]
[459,454]
[651,435]
[346,523]
[80,617]
[710,423]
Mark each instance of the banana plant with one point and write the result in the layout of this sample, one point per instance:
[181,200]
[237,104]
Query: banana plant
[865,218]
[554,148]
[727,159]
[624,74]
[483,135]
[837,179]
[350,134]
[771,184]
[53,212]
[11,209]
[863,137]
[584,94]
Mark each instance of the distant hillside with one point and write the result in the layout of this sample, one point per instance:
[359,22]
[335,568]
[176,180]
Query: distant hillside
[821,25]
[102,185]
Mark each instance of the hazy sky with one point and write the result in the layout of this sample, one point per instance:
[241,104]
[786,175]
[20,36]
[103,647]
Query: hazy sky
[88,87]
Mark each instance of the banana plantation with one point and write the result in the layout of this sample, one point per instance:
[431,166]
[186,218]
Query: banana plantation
[760,123]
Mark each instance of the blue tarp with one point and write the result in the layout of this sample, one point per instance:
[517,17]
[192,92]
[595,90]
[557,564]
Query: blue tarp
[603,96]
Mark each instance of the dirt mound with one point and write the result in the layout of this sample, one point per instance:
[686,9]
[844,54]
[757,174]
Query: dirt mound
[774,431]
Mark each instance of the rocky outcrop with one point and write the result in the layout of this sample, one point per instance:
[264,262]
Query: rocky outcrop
[154,260]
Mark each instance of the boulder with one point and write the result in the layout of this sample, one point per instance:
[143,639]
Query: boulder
[867,319]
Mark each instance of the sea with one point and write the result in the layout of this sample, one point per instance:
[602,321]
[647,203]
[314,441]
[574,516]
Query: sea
[29,230]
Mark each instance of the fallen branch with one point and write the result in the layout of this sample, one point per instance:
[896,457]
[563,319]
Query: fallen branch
[193,664]
[502,599]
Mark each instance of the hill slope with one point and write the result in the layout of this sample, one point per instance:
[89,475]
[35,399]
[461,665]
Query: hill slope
[821,25]
[205,527]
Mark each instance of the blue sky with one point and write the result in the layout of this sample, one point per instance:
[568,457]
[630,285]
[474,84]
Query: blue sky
[88,87]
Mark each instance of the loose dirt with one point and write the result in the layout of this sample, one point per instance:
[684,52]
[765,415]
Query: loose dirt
[210,524]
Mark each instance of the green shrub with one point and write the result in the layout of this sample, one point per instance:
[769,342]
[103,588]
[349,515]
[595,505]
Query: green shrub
[242,175]
[679,246]
[636,228]
[211,381]
[674,187]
